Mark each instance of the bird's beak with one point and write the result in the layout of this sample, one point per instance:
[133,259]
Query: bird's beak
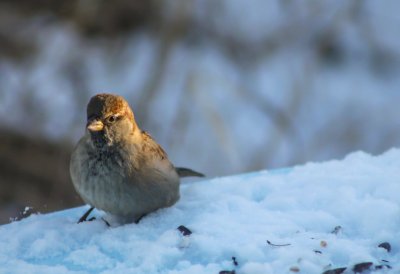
[94,125]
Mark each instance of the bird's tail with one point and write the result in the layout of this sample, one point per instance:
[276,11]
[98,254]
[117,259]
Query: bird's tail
[186,172]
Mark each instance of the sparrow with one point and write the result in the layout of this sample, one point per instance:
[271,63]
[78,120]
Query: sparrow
[119,168]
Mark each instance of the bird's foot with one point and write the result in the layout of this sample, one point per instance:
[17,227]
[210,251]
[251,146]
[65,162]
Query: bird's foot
[105,221]
[84,216]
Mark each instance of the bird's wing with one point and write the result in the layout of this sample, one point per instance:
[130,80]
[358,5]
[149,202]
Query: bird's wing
[151,148]
[156,152]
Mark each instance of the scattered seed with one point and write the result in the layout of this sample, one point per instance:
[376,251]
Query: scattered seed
[335,271]
[184,230]
[336,230]
[358,268]
[386,246]
[234,261]
[227,272]
[384,266]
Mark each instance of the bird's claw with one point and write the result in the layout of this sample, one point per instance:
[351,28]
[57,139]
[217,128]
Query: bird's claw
[84,216]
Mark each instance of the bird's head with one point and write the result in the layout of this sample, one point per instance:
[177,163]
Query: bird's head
[109,119]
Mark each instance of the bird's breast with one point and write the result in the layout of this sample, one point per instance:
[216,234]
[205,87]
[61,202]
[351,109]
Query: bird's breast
[102,181]
[111,182]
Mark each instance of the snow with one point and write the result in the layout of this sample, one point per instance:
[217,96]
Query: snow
[234,216]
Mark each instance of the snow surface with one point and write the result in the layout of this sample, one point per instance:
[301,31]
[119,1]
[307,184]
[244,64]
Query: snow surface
[232,216]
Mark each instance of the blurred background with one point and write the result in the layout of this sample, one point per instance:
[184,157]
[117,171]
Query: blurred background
[225,86]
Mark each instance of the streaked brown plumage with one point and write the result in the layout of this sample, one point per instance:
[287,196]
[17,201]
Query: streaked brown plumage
[118,168]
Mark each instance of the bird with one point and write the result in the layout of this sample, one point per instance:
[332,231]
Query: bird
[120,169]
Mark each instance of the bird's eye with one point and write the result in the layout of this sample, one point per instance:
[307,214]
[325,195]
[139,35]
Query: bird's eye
[112,118]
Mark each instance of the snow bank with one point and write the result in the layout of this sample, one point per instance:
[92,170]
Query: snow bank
[232,217]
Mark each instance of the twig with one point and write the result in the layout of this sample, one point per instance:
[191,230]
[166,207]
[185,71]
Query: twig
[271,244]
